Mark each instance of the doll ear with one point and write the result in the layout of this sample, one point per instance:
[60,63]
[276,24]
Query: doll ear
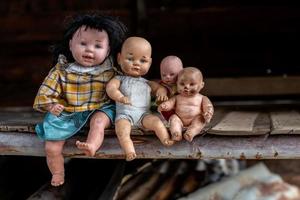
[202,84]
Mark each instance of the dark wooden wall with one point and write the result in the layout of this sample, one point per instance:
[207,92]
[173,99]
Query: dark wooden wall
[223,38]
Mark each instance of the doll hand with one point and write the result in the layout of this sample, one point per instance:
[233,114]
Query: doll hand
[163,107]
[125,100]
[55,109]
[161,98]
[161,95]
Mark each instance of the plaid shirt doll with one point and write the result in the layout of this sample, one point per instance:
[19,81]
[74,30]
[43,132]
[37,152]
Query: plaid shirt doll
[77,90]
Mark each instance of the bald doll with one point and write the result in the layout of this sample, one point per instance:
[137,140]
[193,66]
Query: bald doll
[132,94]
[170,67]
[192,109]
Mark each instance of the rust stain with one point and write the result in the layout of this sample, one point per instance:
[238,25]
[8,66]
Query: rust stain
[137,141]
[108,156]
[67,155]
[242,156]
[276,154]
[258,156]
[199,154]
[7,149]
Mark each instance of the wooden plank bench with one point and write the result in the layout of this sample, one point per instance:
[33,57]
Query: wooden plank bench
[239,134]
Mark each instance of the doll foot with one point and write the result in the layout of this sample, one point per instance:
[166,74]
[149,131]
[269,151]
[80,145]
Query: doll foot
[168,142]
[58,179]
[176,136]
[130,156]
[188,136]
[86,148]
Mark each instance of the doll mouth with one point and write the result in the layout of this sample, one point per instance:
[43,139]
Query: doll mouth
[136,69]
[187,92]
[87,58]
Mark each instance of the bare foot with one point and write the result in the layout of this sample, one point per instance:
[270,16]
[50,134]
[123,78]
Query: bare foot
[58,179]
[168,142]
[86,148]
[176,136]
[188,136]
[130,156]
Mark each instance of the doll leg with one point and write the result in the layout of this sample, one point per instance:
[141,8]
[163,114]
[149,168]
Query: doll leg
[123,129]
[55,161]
[153,123]
[176,128]
[194,129]
[98,123]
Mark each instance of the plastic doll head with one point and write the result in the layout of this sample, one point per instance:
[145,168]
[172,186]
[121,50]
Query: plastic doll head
[190,81]
[170,66]
[135,57]
[116,32]
[89,47]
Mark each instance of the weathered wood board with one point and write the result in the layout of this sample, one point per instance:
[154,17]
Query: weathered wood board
[239,134]
[242,123]
[149,147]
[225,122]
[285,122]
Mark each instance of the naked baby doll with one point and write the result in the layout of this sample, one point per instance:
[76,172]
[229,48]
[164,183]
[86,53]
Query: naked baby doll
[170,66]
[74,89]
[132,94]
[192,109]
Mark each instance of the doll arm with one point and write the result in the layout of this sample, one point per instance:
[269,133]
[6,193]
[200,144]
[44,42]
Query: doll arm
[49,94]
[160,92]
[113,91]
[167,105]
[208,109]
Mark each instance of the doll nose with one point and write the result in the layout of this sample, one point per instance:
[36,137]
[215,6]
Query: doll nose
[89,49]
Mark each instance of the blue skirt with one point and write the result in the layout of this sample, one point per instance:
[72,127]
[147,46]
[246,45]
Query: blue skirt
[68,124]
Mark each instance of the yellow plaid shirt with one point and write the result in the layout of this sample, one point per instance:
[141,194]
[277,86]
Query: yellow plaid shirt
[76,91]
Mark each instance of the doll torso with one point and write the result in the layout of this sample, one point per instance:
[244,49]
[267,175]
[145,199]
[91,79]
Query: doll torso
[172,88]
[139,93]
[187,108]
[74,87]
[137,90]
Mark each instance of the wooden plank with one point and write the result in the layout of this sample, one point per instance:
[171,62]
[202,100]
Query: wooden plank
[285,122]
[149,147]
[247,86]
[240,123]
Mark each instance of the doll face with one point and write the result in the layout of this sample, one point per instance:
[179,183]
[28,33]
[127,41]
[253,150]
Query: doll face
[89,47]
[169,70]
[189,84]
[135,57]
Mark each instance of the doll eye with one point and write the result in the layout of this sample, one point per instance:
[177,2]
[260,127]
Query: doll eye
[130,59]
[143,61]
[98,46]
[82,43]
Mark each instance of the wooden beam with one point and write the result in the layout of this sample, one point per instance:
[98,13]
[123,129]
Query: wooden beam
[149,147]
[249,86]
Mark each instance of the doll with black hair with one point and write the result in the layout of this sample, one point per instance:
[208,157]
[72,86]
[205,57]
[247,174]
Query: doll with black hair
[74,90]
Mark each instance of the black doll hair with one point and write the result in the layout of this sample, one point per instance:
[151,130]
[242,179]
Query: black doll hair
[115,29]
